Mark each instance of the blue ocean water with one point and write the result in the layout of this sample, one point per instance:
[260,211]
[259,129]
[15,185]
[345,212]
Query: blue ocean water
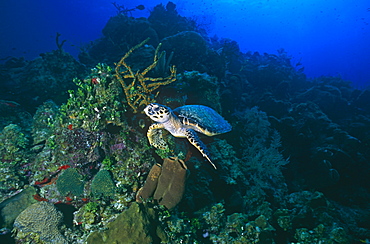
[329,37]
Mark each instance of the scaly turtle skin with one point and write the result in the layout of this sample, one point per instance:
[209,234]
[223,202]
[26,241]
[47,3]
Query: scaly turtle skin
[185,121]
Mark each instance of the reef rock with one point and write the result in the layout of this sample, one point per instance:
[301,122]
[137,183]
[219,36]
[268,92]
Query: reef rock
[189,49]
[12,207]
[135,225]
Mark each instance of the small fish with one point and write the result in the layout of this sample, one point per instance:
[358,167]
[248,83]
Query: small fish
[63,167]
[140,7]
[301,69]
[366,241]
[9,103]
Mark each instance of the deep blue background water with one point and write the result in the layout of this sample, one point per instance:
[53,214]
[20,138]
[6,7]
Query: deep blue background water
[329,37]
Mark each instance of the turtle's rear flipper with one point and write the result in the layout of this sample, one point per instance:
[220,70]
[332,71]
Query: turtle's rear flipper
[194,139]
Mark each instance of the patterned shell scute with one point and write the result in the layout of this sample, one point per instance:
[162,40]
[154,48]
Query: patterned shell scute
[203,119]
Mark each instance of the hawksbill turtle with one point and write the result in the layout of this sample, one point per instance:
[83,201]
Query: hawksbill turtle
[185,121]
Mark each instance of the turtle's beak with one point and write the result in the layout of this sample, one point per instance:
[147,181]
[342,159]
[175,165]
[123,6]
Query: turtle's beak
[149,109]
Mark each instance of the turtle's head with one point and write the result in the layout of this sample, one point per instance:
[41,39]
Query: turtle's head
[157,112]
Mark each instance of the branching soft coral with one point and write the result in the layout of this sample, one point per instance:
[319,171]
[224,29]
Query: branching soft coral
[261,150]
[137,87]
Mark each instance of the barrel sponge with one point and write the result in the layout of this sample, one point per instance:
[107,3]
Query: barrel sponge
[171,182]
[42,219]
[151,183]
[166,183]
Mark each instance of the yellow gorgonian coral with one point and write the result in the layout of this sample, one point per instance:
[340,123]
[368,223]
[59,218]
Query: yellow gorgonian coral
[137,87]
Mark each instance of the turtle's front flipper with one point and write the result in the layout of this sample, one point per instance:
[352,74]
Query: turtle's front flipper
[194,139]
[154,135]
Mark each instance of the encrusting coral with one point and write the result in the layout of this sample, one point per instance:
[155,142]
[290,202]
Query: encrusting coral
[41,219]
[140,90]
[13,154]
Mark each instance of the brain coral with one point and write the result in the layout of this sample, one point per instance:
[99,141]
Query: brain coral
[42,219]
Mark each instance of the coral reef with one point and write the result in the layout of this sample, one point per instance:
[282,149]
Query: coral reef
[13,113]
[43,121]
[13,141]
[208,93]
[261,151]
[189,49]
[40,221]
[167,22]
[49,76]
[88,154]
[95,104]
[119,34]
[236,228]
[14,157]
